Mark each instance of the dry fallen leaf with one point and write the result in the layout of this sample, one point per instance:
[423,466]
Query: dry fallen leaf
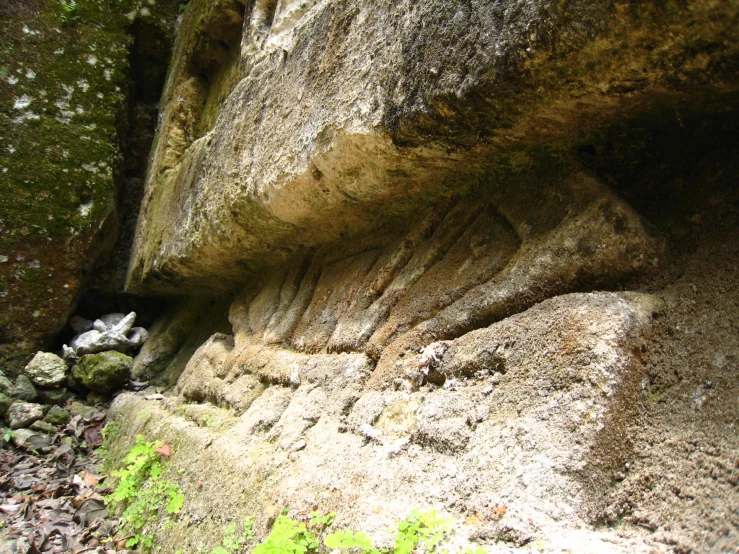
[9,508]
[90,479]
[500,510]
[164,449]
[120,544]
[474,519]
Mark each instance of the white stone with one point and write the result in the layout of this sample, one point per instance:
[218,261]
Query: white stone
[46,370]
[22,414]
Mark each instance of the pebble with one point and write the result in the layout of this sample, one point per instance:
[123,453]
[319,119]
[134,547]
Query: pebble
[47,370]
[24,389]
[22,414]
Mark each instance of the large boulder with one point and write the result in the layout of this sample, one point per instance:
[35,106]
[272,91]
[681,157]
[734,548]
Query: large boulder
[291,125]
[103,372]
[65,85]
[47,370]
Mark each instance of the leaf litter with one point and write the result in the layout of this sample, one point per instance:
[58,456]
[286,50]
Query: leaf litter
[51,500]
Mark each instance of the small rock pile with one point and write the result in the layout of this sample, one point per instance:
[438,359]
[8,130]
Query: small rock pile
[112,332]
[95,362]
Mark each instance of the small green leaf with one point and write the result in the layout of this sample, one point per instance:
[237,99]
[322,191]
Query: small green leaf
[363,541]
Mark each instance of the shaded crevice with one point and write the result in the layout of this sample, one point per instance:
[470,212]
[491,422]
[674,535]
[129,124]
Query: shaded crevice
[670,162]
[264,14]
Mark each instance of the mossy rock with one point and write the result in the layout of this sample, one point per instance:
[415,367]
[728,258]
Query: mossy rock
[103,372]
[52,396]
[24,389]
[6,385]
[64,97]
[57,416]
[5,402]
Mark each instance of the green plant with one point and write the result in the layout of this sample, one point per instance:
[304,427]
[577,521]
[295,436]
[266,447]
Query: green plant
[318,520]
[421,527]
[69,12]
[8,435]
[110,432]
[142,492]
[418,528]
[348,540]
[288,537]
[232,542]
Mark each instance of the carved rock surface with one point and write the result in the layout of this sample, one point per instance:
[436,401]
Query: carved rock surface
[532,416]
[418,206]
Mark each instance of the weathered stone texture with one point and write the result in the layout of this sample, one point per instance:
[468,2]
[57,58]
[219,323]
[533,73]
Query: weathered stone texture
[364,112]
[22,414]
[47,370]
[396,203]
[539,431]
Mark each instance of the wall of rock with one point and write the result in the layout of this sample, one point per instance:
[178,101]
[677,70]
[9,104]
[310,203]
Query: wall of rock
[346,120]
[437,255]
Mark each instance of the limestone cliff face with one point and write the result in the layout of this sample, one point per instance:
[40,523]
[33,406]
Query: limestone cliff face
[64,99]
[410,211]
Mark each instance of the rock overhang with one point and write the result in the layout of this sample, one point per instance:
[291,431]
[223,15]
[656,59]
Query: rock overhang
[363,115]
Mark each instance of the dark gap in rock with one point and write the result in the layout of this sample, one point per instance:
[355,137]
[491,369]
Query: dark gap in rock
[266,11]
[671,162]
[679,167]
[214,62]
[222,35]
